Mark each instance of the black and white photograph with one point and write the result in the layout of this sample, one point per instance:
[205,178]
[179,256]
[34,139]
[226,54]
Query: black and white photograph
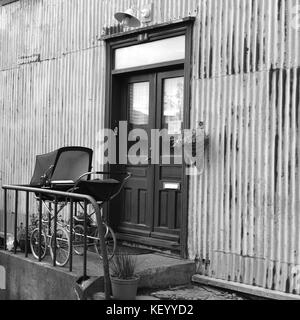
[149,153]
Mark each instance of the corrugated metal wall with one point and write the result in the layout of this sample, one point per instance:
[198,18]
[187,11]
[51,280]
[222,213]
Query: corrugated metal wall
[51,81]
[244,217]
[244,210]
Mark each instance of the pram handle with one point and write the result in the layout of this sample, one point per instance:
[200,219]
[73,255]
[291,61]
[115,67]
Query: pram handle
[128,175]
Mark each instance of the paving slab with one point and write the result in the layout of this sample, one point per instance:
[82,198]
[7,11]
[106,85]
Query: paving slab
[193,292]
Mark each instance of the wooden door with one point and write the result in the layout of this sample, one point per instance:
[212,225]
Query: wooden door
[137,196]
[150,204]
[168,177]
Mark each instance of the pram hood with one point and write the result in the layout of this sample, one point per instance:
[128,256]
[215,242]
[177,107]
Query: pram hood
[63,164]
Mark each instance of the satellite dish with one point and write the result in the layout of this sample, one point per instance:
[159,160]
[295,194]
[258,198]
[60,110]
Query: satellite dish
[128,18]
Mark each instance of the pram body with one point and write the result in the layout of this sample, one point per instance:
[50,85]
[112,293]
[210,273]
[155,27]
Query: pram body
[69,169]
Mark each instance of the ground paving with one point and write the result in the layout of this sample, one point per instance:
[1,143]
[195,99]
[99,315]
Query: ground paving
[195,292]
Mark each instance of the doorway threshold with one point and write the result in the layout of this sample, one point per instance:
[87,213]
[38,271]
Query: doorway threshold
[158,246]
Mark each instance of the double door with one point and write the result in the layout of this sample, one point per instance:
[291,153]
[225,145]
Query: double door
[150,206]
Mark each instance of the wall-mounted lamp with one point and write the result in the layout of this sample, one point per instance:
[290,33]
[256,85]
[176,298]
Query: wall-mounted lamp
[129,18]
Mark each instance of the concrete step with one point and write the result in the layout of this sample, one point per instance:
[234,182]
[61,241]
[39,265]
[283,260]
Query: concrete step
[28,279]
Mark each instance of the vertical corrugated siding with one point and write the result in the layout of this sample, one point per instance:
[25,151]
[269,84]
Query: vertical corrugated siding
[244,210]
[52,75]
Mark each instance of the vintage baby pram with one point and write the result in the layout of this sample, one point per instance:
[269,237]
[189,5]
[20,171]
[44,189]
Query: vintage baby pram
[68,169]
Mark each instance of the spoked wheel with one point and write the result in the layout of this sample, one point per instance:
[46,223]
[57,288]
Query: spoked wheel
[110,240]
[34,244]
[78,239]
[62,247]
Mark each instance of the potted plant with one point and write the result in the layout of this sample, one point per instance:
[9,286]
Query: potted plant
[124,281]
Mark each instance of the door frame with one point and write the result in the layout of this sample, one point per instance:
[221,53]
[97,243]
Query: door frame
[148,34]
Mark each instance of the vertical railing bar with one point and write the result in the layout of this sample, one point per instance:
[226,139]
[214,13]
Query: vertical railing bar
[75,210]
[107,288]
[16,221]
[5,219]
[40,227]
[49,219]
[55,232]
[85,242]
[26,224]
[71,235]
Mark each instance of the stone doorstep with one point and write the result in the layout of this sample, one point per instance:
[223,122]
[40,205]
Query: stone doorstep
[153,278]
[157,271]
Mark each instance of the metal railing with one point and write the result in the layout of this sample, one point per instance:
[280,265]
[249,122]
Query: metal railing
[70,198]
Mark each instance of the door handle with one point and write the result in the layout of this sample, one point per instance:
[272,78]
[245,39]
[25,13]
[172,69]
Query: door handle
[116,130]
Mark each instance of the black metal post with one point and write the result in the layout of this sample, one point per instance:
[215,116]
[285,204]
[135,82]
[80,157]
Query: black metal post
[40,226]
[26,224]
[84,241]
[16,222]
[55,232]
[71,235]
[49,220]
[5,219]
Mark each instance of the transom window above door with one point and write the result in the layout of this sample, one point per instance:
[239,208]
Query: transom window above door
[170,49]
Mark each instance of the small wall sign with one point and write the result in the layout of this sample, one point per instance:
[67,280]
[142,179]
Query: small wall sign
[172,185]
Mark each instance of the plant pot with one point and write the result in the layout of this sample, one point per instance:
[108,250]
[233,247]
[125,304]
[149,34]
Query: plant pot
[124,289]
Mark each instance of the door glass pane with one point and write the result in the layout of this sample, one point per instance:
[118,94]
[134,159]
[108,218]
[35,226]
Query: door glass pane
[139,103]
[172,115]
[173,104]
[149,53]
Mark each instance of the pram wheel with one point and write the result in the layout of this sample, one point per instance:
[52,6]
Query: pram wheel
[62,247]
[78,239]
[110,240]
[34,244]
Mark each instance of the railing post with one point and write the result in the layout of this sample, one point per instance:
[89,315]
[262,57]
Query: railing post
[103,250]
[5,219]
[49,220]
[71,235]
[55,231]
[85,240]
[16,221]
[75,210]
[40,227]
[26,224]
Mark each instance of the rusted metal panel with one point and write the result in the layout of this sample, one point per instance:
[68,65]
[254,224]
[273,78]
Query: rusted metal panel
[248,198]
[244,210]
